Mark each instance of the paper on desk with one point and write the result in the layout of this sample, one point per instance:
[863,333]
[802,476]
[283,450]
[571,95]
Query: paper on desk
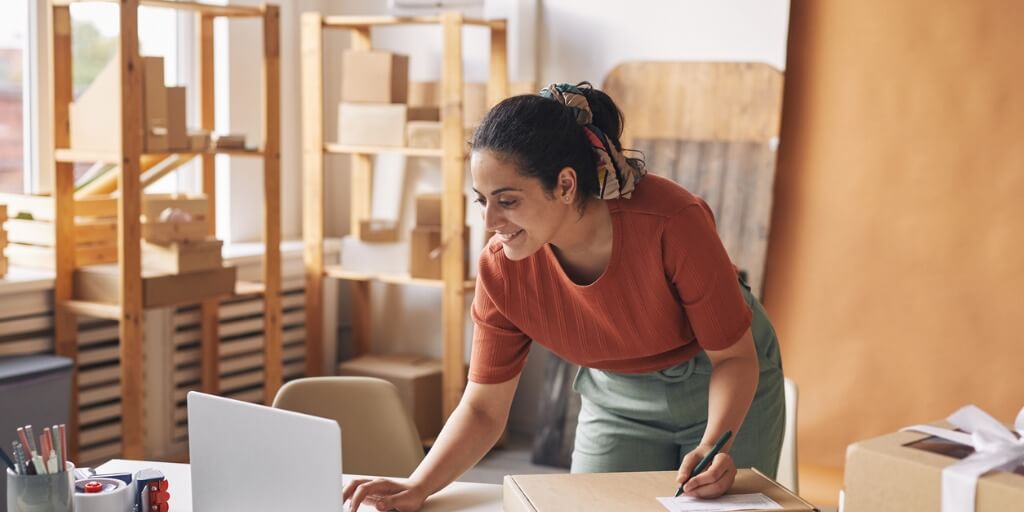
[755,501]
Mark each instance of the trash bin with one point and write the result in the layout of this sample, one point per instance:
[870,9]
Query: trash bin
[34,390]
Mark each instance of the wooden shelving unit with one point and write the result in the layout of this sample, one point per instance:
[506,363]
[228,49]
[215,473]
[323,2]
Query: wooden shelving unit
[452,156]
[129,310]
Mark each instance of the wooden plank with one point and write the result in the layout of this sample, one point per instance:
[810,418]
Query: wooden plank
[99,414]
[312,80]
[376,150]
[697,100]
[129,233]
[211,10]
[100,283]
[452,215]
[63,207]
[365,22]
[43,207]
[93,309]
[87,231]
[92,396]
[36,256]
[272,200]
[208,309]
[497,78]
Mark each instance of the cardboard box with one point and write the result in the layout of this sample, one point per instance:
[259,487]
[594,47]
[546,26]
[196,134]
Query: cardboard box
[418,380]
[614,492]
[153,205]
[177,135]
[361,124]
[374,76]
[423,134]
[423,114]
[424,258]
[474,99]
[154,105]
[428,209]
[425,94]
[198,141]
[182,257]
[378,230]
[374,257]
[903,471]
[101,284]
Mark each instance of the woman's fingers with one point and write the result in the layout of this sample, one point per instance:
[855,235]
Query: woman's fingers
[689,462]
[713,482]
[350,488]
[368,490]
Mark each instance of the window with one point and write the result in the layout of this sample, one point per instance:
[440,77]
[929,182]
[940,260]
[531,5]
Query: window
[13,88]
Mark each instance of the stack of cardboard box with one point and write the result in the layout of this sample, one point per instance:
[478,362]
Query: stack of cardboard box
[3,240]
[374,89]
[427,133]
[425,248]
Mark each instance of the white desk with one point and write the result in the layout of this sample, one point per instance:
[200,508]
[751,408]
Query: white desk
[457,496]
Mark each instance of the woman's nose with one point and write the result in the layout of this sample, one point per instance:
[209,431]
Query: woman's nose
[492,218]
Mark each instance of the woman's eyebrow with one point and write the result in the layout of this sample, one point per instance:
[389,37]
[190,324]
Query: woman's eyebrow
[500,190]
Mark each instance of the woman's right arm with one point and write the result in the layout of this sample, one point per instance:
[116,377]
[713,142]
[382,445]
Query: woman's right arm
[470,432]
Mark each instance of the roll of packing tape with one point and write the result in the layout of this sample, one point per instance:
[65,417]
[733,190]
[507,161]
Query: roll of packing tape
[103,495]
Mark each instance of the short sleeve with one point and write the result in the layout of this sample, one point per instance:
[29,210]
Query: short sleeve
[700,269]
[499,347]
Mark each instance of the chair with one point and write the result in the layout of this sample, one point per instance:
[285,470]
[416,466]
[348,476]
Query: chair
[787,472]
[377,435]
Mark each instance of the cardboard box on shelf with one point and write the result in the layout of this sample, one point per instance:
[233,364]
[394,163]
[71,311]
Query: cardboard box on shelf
[612,492]
[364,124]
[100,283]
[198,141]
[154,205]
[374,257]
[424,256]
[417,378]
[474,104]
[904,471]
[377,230]
[423,134]
[170,232]
[155,104]
[423,114]
[428,209]
[374,76]
[227,140]
[177,135]
[182,257]
[425,94]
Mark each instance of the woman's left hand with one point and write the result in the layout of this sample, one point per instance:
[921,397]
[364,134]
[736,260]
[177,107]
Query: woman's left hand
[713,481]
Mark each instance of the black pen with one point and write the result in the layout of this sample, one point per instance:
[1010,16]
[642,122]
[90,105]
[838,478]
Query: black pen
[703,464]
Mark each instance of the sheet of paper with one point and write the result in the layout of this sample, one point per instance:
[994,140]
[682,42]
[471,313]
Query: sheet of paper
[756,501]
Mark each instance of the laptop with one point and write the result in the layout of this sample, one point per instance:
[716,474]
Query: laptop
[252,458]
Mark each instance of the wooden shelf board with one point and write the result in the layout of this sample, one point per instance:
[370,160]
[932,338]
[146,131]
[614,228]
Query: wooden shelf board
[377,21]
[373,150]
[94,309]
[249,288]
[212,10]
[85,155]
[337,272]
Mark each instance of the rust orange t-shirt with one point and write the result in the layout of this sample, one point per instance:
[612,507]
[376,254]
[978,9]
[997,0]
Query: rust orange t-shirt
[669,290]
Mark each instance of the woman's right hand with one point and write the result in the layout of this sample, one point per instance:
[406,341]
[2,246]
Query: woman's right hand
[383,494]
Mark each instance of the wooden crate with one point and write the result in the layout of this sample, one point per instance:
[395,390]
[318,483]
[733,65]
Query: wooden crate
[39,256]
[182,257]
[100,283]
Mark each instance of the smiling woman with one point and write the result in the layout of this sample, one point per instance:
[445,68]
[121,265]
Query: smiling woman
[622,274]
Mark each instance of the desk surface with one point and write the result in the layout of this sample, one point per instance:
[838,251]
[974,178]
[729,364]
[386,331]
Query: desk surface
[457,496]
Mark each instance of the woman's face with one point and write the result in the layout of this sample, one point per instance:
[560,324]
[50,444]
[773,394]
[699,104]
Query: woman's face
[516,207]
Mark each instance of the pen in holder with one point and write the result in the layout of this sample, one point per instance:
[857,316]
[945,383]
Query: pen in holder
[41,493]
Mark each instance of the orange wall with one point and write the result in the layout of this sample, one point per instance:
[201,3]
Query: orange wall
[896,268]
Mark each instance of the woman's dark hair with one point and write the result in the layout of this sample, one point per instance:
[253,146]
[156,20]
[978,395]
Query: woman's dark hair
[541,137]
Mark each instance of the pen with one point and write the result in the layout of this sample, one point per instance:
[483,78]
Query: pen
[55,441]
[24,443]
[703,464]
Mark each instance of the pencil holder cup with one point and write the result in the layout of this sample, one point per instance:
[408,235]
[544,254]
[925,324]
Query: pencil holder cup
[41,493]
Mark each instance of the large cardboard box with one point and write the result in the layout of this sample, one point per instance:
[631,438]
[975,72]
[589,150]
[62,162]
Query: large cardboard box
[363,124]
[378,230]
[615,492]
[154,108]
[177,134]
[374,76]
[474,99]
[903,471]
[417,378]
[423,134]
[424,254]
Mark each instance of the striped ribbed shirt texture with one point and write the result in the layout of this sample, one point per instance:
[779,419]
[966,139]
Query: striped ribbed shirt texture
[669,290]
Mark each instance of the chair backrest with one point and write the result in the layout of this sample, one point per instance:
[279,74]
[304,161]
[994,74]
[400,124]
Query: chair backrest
[377,435]
[787,472]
